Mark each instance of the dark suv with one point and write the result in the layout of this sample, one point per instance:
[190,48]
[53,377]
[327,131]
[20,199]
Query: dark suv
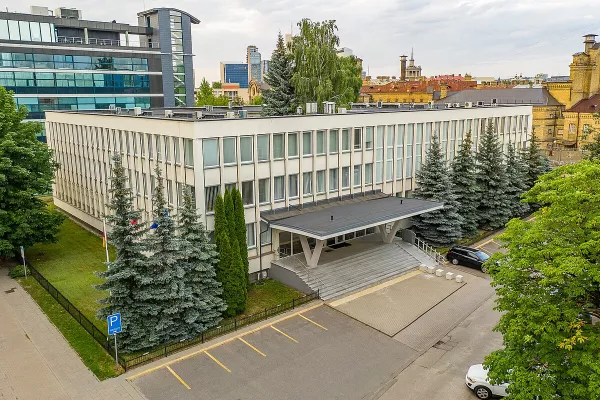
[467,256]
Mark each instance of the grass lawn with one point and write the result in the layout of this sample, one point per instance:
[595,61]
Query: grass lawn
[70,264]
[92,355]
[269,293]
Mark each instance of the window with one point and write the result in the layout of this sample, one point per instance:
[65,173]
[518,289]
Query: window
[229,151]
[279,188]
[137,182]
[179,187]
[264,191]
[265,233]
[409,149]
[292,145]
[293,185]
[188,152]
[357,175]
[167,148]
[320,181]
[368,174]
[210,194]
[306,143]
[320,142]
[135,143]
[263,147]
[307,183]
[345,140]
[248,192]
[210,152]
[399,152]
[250,239]
[170,191]
[230,186]
[369,138]
[159,156]
[177,153]
[333,179]
[357,138]
[333,141]
[126,134]
[246,149]
[345,177]
[389,157]
[379,155]
[278,146]
[142,147]
[571,128]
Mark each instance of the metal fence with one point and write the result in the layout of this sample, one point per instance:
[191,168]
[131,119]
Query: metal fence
[165,350]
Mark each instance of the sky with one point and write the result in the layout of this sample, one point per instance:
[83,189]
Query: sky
[491,38]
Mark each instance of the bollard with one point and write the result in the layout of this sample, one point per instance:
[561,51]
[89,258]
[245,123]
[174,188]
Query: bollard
[439,272]
[449,275]
[423,267]
[459,278]
[430,270]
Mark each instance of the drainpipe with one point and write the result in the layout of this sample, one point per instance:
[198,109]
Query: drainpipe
[260,271]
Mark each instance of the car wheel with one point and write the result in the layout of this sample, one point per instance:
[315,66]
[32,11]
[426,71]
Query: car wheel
[482,392]
[454,261]
[484,269]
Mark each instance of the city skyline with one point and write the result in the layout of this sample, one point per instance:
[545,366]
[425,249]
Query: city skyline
[492,38]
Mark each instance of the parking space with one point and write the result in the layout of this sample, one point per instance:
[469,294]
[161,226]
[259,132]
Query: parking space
[317,354]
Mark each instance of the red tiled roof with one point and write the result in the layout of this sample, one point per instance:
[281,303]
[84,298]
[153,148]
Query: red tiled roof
[590,105]
[447,78]
[417,86]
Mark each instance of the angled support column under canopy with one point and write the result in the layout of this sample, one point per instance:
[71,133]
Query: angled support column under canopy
[312,257]
[388,237]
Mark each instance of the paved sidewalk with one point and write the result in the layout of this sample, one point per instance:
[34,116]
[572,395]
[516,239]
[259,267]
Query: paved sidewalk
[37,362]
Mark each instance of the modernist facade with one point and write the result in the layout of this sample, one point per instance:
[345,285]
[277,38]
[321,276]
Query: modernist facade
[57,61]
[235,72]
[282,162]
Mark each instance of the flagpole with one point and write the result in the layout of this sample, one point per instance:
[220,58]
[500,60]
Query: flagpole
[105,239]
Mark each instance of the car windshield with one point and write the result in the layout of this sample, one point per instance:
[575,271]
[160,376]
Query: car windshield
[482,256]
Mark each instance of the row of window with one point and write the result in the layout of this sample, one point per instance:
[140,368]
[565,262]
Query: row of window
[61,61]
[37,105]
[27,31]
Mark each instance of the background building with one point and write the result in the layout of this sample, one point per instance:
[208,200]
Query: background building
[57,61]
[265,67]
[254,64]
[235,72]
[277,163]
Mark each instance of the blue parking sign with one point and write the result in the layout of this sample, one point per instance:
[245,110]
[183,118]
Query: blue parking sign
[114,323]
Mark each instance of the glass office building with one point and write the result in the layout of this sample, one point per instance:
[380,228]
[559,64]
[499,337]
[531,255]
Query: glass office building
[235,73]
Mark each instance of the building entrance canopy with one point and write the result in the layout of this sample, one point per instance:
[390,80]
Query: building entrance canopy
[322,221]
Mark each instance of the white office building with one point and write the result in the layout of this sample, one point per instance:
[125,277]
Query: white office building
[292,164]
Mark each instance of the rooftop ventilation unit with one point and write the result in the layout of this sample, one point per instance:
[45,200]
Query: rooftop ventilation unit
[118,110]
[448,105]
[328,107]
[137,111]
[63,12]
[480,103]
[299,110]
[311,108]
[380,104]
[350,105]
[243,113]
[431,104]
[208,108]
[230,114]
[342,110]
[494,102]
[468,104]
[111,107]
[199,115]
[168,113]
[456,105]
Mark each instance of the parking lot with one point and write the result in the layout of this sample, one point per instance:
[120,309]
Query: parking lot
[317,354]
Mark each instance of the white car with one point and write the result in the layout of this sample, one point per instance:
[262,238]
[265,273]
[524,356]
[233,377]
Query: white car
[477,381]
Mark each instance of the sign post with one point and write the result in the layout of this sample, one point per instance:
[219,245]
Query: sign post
[23,258]
[114,327]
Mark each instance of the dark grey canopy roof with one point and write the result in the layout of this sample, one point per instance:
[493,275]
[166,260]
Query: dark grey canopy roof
[338,218]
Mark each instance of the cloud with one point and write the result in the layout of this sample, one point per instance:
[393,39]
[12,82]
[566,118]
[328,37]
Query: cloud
[482,37]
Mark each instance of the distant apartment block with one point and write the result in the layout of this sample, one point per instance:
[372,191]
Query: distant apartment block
[55,60]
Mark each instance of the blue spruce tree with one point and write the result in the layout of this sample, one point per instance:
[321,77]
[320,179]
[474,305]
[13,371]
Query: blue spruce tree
[516,174]
[465,188]
[280,98]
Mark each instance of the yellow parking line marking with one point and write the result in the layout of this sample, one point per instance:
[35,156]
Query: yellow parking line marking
[217,361]
[253,348]
[178,378]
[284,334]
[212,346]
[486,242]
[312,322]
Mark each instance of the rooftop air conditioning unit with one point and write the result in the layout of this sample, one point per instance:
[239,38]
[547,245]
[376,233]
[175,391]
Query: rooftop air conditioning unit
[328,107]
[111,107]
[448,105]
[72,13]
[230,114]
[350,105]
[118,110]
[468,104]
[208,108]
[342,110]
[168,113]
[380,104]
[137,111]
[311,108]
[480,103]
[456,105]
[494,102]
[243,113]
[299,110]
[199,115]
[431,104]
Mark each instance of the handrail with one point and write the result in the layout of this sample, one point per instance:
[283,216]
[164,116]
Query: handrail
[319,282]
[429,250]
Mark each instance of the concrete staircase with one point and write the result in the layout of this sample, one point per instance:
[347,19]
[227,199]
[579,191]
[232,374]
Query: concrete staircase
[357,271]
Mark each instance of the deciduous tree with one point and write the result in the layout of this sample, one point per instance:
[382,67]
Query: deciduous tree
[26,170]
[548,285]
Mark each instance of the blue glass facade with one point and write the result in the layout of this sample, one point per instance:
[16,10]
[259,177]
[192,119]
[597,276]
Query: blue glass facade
[60,61]
[37,106]
[237,73]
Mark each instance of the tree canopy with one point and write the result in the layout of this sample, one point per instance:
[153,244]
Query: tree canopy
[592,135]
[548,286]
[206,96]
[462,178]
[26,170]
[280,98]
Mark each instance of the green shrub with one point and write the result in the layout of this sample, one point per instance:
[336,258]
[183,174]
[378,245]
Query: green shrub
[16,271]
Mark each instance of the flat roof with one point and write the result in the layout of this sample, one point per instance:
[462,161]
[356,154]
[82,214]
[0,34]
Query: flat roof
[324,221]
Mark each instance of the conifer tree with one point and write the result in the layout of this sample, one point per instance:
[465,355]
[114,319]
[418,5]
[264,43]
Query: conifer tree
[440,227]
[280,98]
[494,205]
[465,187]
[536,164]
[517,185]
[237,264]
[240,227]
[163,289]
[127,270]
[199,258]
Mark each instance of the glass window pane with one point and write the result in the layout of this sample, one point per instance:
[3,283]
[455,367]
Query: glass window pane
[265,235]
[369,138]
[357,138]
[210,152]
[24,30]
[333,179]
[293,185]
[263,147]
[264,191]
[278,146]
[229,151]
[333,141]
[306,143]
[320,142]
[248,192]
[188,152]
[246,149]
[293,145]
[13,30]
[36,35]
[357,175]
[250,235]
[345,140]
[368,174]
[279,188]
[320,181]
[307,183]
[4,29]
[345,177]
